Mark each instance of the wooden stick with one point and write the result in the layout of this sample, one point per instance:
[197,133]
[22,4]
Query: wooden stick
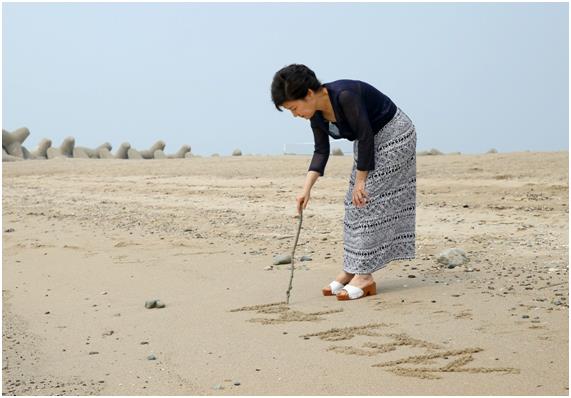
[292,255]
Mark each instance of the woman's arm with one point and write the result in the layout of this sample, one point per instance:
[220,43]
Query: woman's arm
[310,179]
[303,198]
[358,119]
[356,114]
[321,148]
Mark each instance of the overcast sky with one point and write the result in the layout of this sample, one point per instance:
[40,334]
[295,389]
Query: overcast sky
[471,76]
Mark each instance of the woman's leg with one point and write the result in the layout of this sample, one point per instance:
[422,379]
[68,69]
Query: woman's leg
[362,280]
[343,277]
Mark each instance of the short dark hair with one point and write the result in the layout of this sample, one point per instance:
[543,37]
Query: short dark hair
[291,83]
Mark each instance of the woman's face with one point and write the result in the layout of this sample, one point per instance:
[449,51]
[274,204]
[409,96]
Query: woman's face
[304,108]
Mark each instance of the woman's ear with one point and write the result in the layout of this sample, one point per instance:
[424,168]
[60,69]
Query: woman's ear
[310,94]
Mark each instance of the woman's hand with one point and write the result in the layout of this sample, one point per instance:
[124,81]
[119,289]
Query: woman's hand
[360,196]
[302,200]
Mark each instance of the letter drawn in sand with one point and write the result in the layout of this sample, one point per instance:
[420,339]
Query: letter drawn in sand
[285,313]
[435,351]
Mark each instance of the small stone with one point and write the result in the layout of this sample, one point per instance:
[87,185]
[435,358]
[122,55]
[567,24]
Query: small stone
[282,259]
[151,357]
[93,352]
[412,276]
[144,342]
[305,258]
[160,304]
[9,230]
[236,383]
[150,304]
[452,257]
[103,293]
[525,316]
[269,268]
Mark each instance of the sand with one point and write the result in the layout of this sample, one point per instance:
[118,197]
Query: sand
[87,242]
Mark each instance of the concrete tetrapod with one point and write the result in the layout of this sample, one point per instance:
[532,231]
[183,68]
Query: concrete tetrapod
[80,153]
[12,142]
[132,153]
[105,153]
[41,151]
[94,153]
[65,150]
[122,151]
[180,154]
[9,158]
[149,153]
[159,154]
[27,154]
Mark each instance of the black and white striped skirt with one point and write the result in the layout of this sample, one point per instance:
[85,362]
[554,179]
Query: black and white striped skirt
[384,228]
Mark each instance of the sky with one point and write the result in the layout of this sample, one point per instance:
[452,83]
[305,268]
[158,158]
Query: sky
[471,76]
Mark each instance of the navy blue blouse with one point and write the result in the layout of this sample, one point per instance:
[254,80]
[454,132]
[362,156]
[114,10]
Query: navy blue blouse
[360,112]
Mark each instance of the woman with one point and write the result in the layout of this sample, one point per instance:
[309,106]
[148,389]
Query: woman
[380,204]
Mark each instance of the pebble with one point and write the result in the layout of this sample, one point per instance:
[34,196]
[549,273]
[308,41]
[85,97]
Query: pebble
[9,230]
[305,258]
[151,357]
[269,268]
[150,304]
[525,316]
[452,257]
[282,259]
[93,352]
[412,276]
[160,304]
[236,383]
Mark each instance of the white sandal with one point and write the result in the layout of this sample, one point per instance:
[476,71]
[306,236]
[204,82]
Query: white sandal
[334,288]
[350,292]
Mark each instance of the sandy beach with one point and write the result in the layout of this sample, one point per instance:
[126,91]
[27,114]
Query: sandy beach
[86,242]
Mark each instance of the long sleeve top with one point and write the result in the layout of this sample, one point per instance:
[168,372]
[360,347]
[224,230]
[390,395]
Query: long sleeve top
[360,112]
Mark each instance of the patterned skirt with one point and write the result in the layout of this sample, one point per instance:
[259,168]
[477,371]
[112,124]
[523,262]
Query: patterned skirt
[384,228]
